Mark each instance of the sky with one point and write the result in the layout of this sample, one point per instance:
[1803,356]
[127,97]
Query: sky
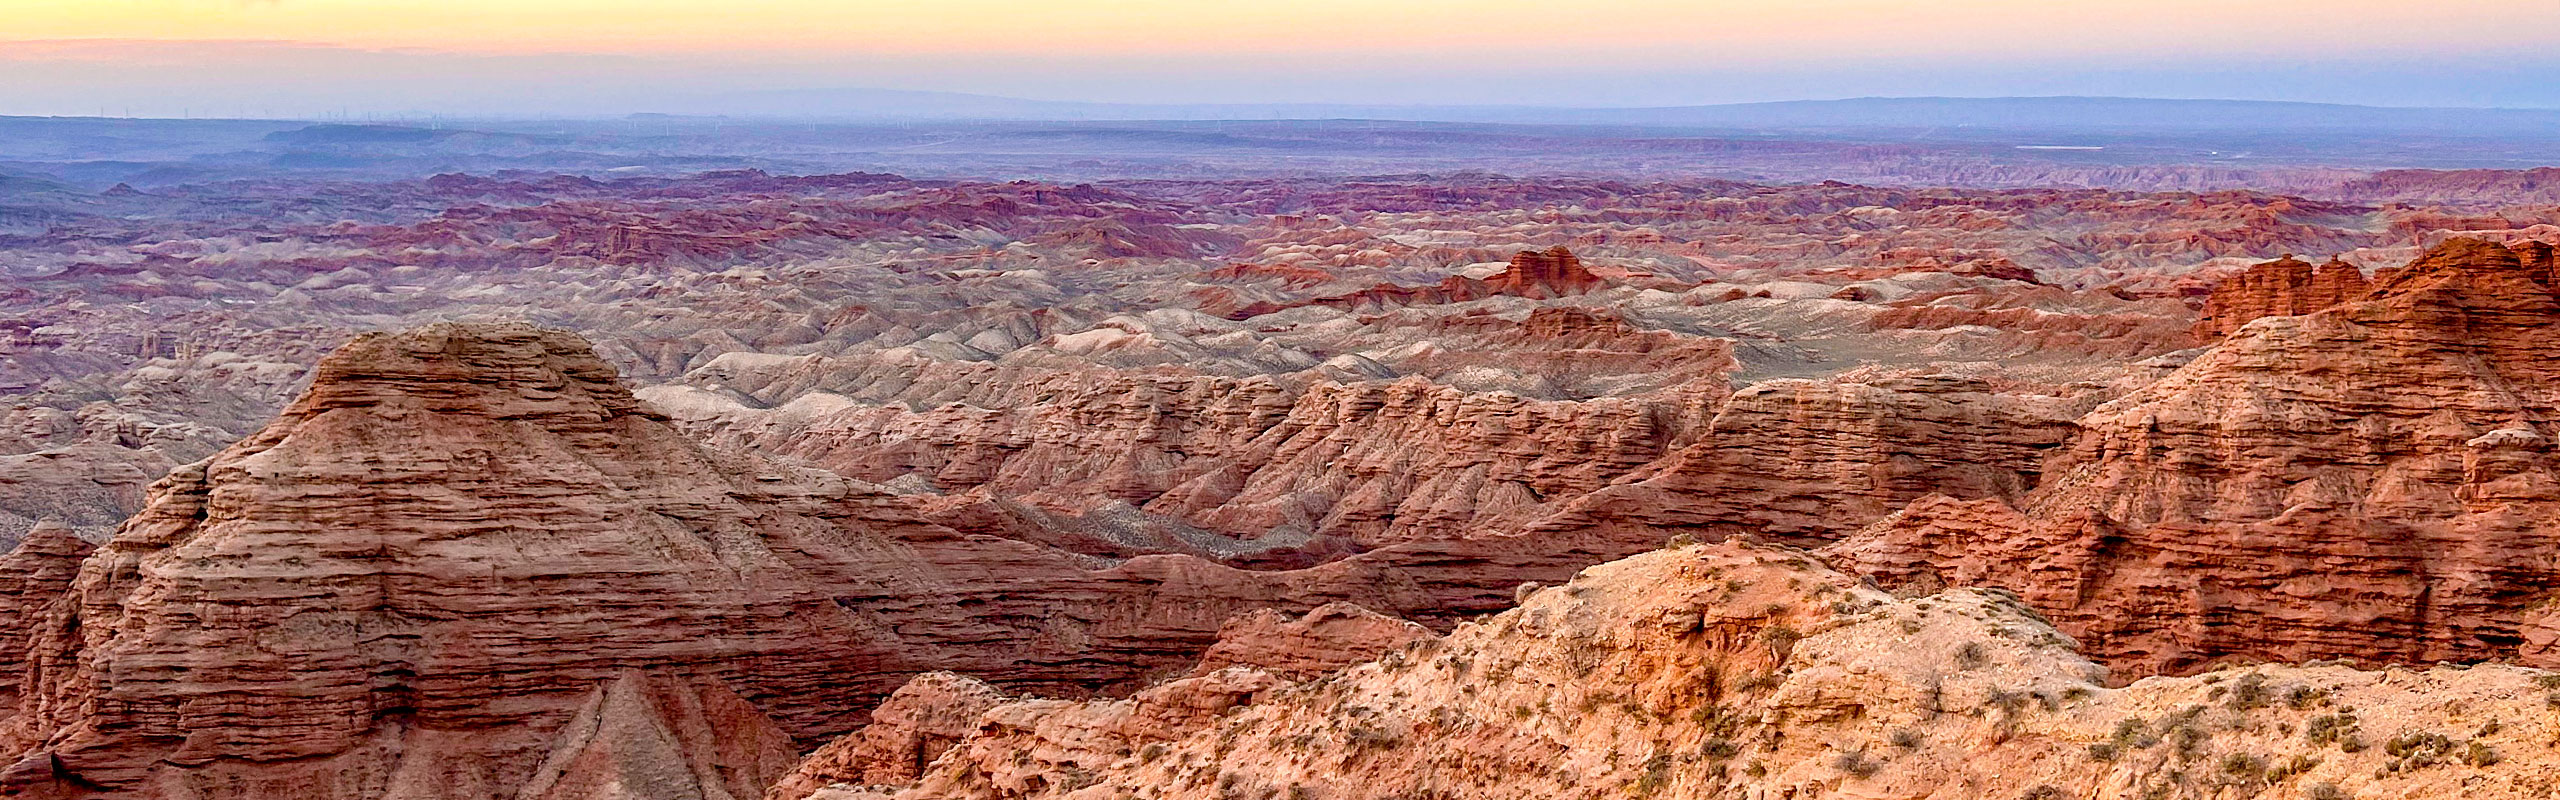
[589,57]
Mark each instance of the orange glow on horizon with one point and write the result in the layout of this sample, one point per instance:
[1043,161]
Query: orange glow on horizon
[1648,30]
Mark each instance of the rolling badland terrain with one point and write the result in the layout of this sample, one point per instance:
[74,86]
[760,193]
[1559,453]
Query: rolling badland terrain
[1817,456]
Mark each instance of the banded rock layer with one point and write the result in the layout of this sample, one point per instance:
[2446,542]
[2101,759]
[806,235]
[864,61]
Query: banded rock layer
[2281,288]
[467,564]
[2373,481]
[1740,670]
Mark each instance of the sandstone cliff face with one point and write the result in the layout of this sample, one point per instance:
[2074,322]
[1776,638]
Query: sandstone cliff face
[1540,275]
[402,586]
[1814,460]
[33,579]
[915,726]
[1262,470]
[1324,468]
[1554,272]
[1738,670]
[2279,288]
[468,564]
[936,712]
[647,737]
[1326,638]
[2373,481]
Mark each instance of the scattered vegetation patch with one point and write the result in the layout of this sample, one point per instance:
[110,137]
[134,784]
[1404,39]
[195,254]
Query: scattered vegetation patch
[1857,764]
[1971,656]
[2330,729]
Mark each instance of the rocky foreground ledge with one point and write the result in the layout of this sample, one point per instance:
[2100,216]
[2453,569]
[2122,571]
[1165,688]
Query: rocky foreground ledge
[1731,670]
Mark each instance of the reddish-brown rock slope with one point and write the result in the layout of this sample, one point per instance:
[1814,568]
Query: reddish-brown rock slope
[2374,481]
[2281,288]
[1535,274]
[468,564]
[1744,671]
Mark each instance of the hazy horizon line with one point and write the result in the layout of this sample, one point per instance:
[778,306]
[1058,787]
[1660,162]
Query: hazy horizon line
[384,117]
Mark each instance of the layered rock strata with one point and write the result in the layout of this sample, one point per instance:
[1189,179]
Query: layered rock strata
[2281,288]
[931,714]
[1738,670]
[2373,481]
[1324,469]
[467,563]
[1811,461]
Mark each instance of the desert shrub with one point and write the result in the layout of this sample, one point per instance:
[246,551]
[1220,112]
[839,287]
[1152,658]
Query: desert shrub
[2249,692]
[1972,656]
[1657,774]
[1856,762]
[2479,754]
[2302,697]
[1780,637]
[2188,738]
[2133,732]
[2290,767]
[1905,738]
[2329,729]
[1363,737]
[2421,749]
[2244,766]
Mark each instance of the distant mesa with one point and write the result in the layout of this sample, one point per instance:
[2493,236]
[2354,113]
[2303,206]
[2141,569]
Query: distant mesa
[2290,287]
[1544,275]
[1535,274]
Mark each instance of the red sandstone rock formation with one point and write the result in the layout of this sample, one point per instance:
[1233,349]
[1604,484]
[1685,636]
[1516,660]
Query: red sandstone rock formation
[1542,275]
[1326,638]
[2374,481]
[1736,670]
[33,579]
[2281,288]
[406,585]
[1363,464]
[646,736]
[1812,460]
[1538,275]
[913,727]
[927,717]
[468,564]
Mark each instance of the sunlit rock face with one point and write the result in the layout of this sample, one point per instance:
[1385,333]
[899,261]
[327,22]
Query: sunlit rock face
[2372,481]
[1739,670]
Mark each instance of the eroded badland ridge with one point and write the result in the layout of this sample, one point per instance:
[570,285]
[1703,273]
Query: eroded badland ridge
[741,485]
